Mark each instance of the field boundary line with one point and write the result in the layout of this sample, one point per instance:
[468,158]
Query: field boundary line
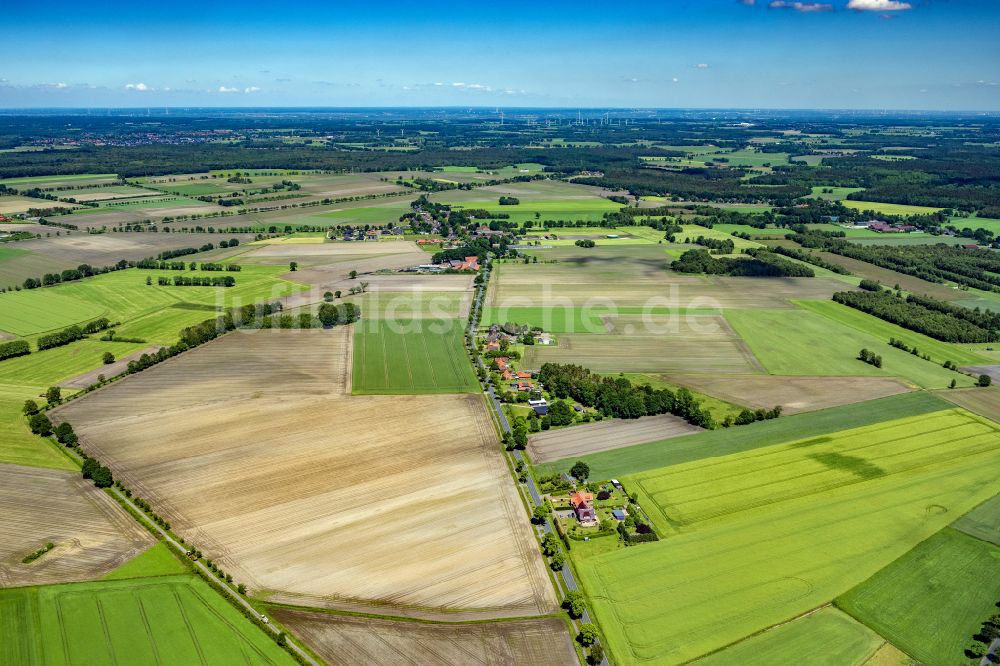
[145,623]
[104,628]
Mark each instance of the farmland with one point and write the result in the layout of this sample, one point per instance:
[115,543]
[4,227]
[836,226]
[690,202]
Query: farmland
[802,541]
[374,641]
[91,533]
[888,208]
[828,636]
[172,618]
[410,356]
[983,522]
[605,435]
[263,405]
[933,599]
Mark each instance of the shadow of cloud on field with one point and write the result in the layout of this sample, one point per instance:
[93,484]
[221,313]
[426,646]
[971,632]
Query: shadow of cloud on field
[857,466]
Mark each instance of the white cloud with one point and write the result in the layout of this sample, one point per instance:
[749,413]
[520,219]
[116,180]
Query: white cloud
[471,86]
[60,86]
[701,65]
[141,87]
[805,7]
[251,89]
[675,79]
[224,89]
[878,5]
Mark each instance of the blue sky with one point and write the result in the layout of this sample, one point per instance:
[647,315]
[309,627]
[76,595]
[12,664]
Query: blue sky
[920,54]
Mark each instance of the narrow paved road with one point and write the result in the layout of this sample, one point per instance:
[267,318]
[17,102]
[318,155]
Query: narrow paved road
[989,657]
[569,580]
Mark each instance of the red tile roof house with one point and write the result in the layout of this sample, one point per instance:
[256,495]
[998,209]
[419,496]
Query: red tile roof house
[502,362]
[583,507]
[492,346]
[523,375]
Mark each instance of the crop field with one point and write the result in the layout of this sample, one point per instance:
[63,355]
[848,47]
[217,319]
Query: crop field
[836,193]
[931,600]
[605,435]
[11,204]
[356,640]
[416,304]
[171,619]
[891,278]
[635,278]
[827,637]
[53,366]
[35,311]
[598,319]
[411,356]
[888,208]
[728,441]
[794,394]
[65,180]
[91,533]
[983,522]
[238,442]
[18,446]
[982,401]
[692,343]
[760,537]
[803,342]
[939,351]
[108,193]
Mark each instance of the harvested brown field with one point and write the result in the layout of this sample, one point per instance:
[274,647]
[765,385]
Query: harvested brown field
[624,280]
[252,448]
[91,533]
[695,343]
[333,249]
[17,204]
[110,370]
[264,366]
[982,401]
[794,394]
[604,436]
[356,640]
[992,370]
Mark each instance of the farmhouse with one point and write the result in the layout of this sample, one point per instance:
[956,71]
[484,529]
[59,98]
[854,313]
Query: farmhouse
[583,507]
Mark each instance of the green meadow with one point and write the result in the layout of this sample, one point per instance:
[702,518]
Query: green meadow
[159,560]
[805,342]
[17,445]
[756,538]
[933,599]
[827,637]
[726,441]
[889,208]
[983,522]
[415,356]
[29,312]
[167,619]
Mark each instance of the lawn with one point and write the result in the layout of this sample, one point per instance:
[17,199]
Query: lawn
[170,619]
[983,522]
[804,342]
[757,538]
[932,600]
[826,637]
[413,356]
[889,208]
[726,441]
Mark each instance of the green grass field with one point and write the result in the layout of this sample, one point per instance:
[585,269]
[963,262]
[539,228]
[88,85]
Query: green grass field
[835,194]
[932,600]
[757,538]
[52,366]
[804,342]
[17,445]
[889,208]
[411,356]
[169,619]
[726,441]
[157,561]
[34,311]
[939,351]
[576,320]
[827,637]
[983,522]
[974,223]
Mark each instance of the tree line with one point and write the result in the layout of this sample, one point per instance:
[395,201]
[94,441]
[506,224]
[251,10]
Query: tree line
[914,316]
[758,263]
